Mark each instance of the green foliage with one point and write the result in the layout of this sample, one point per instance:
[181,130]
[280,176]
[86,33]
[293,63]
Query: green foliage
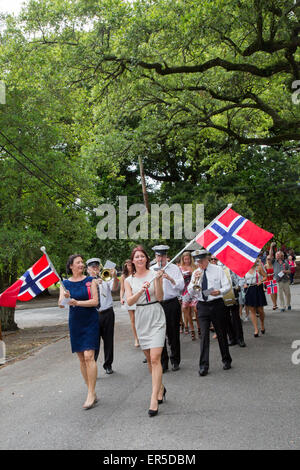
[202,91]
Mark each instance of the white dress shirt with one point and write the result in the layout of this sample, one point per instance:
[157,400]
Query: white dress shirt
[171,290]
[216,279]
[106,300]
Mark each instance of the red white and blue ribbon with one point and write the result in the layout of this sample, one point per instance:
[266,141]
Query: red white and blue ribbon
[148,298]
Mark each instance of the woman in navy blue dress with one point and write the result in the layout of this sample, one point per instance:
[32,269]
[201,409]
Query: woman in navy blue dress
[82,297]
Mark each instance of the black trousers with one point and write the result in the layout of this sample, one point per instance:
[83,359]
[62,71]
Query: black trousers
[106,327]
[212,312]
[172,309]
[233,323]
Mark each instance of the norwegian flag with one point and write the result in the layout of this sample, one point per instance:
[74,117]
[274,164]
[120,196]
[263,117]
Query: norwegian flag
[234,240]
[36,279]
[272,287]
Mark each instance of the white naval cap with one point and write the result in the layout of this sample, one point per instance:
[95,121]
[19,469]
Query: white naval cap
[200,254]
[93,261]
[160,249]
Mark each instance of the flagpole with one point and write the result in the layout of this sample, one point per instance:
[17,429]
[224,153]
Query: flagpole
[197,236]
[43,249]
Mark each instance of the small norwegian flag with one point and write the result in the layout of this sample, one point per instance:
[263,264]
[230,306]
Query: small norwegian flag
[234,240]
[36,279]
[272,287]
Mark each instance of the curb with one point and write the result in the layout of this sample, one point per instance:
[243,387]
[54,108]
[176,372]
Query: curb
[30,351]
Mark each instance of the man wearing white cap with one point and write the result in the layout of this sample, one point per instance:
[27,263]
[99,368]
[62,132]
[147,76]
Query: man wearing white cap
[106,312]
[209,283]
[173,284]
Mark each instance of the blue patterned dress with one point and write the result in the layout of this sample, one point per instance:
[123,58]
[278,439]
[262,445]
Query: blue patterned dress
[83,321]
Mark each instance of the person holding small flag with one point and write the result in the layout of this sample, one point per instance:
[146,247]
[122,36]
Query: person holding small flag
[150,321]
[281,275]
[80,293]
[270,278]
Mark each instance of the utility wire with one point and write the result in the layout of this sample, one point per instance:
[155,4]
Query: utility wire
[38,167]
[44,182]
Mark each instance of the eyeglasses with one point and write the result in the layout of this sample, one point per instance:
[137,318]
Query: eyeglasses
[213,259]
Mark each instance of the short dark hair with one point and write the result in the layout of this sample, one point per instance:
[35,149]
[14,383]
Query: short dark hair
[70,262]
[142,249]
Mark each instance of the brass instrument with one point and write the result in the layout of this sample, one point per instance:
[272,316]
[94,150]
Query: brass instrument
[198,283]
[106,275]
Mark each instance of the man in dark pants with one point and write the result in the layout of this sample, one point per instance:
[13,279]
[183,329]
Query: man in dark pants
[211,284]
[106,312]
[173,284]
[232,310]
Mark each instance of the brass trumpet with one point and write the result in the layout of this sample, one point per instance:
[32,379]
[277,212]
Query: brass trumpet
[105,275]
[198,283]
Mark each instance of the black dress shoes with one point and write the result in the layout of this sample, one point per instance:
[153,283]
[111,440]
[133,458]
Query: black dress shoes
[175,367]
[203,372]
[242,344]
[227,366]
[109,370]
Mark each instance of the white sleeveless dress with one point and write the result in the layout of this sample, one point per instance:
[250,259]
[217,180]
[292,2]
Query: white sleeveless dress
[150,320]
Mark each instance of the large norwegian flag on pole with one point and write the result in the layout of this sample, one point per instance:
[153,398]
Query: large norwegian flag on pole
[34,281]
[234,240]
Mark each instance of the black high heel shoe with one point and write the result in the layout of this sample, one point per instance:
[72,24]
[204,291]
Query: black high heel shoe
[152,413]
[263,331]
[256,335]
[164,396]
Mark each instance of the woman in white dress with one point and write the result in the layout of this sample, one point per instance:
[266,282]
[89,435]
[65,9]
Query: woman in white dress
[127,271]
[150,321]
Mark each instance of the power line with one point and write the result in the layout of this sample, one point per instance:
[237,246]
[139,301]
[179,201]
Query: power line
[44,182]
[38,167]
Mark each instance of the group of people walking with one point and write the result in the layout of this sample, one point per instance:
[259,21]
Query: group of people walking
[160,299]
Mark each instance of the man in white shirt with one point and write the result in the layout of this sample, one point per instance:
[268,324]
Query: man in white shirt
[211,284]
[106,312]
[173,285]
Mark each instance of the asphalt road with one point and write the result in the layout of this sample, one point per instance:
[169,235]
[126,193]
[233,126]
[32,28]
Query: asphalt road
[255,405]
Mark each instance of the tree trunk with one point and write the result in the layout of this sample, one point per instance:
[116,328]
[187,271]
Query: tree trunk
[7,316]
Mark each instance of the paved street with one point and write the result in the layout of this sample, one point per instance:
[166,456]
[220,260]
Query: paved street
[253,406]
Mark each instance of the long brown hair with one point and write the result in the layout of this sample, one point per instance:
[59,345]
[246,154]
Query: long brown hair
[125,268]
[142,249]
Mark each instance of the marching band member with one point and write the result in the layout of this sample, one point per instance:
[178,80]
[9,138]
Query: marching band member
[173,284]
[209,283]
[105,311]
[231,301]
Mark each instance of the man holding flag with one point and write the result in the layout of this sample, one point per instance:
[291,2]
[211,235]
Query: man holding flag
[212,284]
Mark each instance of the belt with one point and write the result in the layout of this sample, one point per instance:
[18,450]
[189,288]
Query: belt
[105,311]
[210,302]
[149,303]
[165,302]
